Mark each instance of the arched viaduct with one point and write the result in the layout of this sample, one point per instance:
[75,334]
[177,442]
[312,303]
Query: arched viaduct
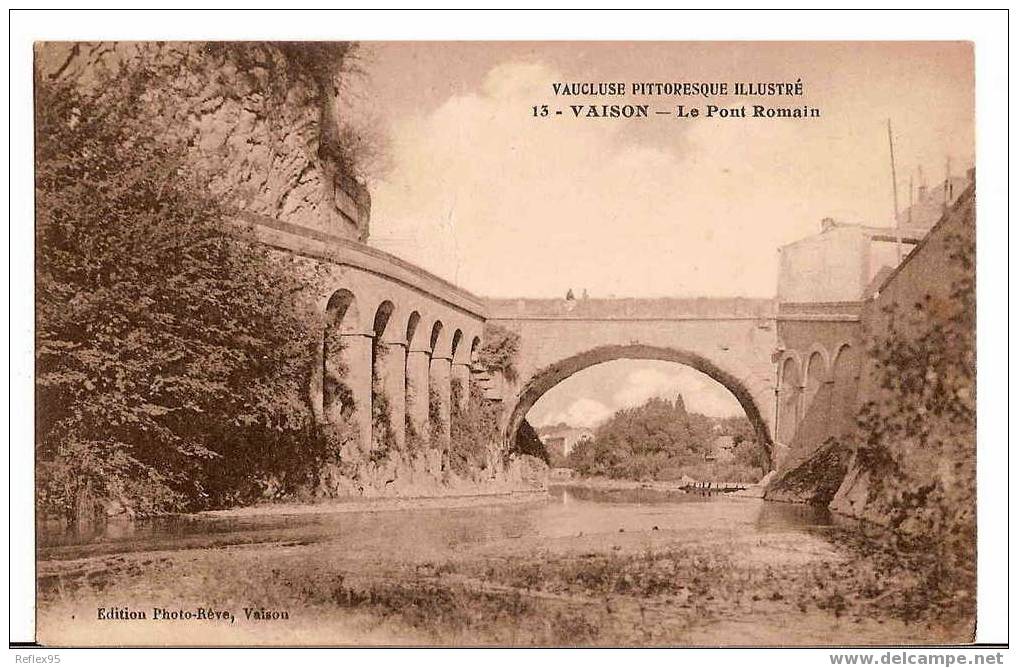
[409,334]
[383,323]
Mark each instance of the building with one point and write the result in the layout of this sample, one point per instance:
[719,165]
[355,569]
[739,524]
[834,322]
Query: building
[560,440]
[845,262]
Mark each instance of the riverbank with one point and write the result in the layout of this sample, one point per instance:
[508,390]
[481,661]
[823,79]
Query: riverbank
[380,504]
[754,491]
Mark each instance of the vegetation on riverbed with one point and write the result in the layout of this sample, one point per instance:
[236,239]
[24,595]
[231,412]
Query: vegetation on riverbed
[628,592]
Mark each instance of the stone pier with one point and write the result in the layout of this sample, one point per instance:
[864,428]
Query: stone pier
[356,358]
[461,373]
[392,379]
[418,364]
[440,377]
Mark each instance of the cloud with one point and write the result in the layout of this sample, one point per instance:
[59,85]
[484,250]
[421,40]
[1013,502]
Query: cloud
[486,195]
[583,412]
[506,204]
[700,393]
[590,396]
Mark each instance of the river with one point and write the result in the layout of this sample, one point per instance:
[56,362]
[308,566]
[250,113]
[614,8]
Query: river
[577,566]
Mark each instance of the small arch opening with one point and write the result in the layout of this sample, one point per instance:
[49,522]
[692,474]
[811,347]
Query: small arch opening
[816,374]
[341,316]
[789,394]
[436,333]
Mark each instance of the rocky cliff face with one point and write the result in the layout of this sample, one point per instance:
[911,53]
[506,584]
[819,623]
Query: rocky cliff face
[261,124]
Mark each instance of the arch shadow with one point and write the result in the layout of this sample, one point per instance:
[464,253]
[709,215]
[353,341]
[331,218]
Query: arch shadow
[546,378]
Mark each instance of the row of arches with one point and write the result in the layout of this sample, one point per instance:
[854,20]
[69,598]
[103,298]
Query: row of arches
[410,354]
[820,386]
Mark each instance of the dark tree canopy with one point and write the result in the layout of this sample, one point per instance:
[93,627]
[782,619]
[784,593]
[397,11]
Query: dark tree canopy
[167,350]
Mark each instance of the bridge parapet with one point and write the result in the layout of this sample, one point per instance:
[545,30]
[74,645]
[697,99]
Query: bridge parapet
[820,311]
[316,244]
[661,308]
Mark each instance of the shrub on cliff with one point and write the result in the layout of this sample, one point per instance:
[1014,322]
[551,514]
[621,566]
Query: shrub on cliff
[916,438]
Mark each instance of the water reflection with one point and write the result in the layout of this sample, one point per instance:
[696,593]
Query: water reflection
[784,516]
[637,495]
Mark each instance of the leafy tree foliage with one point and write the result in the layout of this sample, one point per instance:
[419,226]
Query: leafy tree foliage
[171,356]
[499,351]
[661,440]
[474,430]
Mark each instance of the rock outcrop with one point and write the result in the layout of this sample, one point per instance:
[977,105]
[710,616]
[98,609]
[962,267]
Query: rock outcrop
[257,121]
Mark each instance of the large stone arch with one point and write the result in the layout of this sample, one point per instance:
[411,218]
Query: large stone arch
[546,378]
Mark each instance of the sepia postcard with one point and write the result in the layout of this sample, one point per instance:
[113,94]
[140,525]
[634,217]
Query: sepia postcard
[505,343]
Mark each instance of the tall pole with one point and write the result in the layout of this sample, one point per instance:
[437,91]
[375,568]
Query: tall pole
[894,187]
[911,200]
[947,183]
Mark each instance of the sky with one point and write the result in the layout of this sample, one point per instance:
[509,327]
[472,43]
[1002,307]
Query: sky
[477,190]
[480,192]
[592,395]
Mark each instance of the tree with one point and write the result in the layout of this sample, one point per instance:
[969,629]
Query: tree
[171,357]
[661,440]
[499,351]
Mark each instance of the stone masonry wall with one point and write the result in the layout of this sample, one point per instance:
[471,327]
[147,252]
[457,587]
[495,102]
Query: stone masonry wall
[924,281]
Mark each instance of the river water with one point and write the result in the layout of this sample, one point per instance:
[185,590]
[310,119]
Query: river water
[568,511]
[575,566]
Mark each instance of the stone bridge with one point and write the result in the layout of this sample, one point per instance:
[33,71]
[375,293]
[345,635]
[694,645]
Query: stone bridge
[390,329]
[794,363]
[383,321]
[731,340]
[389,325]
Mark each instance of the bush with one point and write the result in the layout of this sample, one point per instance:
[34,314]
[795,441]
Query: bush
[474,430]
[499,351]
